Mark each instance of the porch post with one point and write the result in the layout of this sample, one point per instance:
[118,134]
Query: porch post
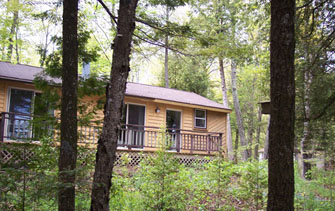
[220,141]
[179,137]
[2,126]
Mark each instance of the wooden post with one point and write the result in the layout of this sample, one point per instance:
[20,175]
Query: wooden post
[220,141]
[178,137]
[2,126]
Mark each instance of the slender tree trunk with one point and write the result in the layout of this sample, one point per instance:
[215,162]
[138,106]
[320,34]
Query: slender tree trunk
[258,132]
[230,149]
[266,142]
[44,49]
[17,46]
[236,145]
[107,143]
[239,119]
[305,142]
[251,125]
[281,137]
[12,33]
[68,147]
[166,61]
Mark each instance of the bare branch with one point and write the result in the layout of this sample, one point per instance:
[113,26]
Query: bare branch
[159,44]
[108,11]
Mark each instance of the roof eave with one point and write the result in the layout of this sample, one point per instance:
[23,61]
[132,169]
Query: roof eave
[16,79]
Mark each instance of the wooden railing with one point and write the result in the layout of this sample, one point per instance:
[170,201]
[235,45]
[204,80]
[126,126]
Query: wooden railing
[22,127]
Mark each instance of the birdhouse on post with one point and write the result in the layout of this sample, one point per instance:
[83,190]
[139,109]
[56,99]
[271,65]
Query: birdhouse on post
[266,107]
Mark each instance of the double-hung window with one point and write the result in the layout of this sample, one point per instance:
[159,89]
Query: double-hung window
[200,118]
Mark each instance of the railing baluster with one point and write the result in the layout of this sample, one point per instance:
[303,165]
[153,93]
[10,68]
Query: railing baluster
[209,143]
[155,142]
[94,130]
[192,141]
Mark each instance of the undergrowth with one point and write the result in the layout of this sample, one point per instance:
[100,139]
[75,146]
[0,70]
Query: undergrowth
[160,182]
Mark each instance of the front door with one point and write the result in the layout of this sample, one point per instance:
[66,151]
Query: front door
[173,122]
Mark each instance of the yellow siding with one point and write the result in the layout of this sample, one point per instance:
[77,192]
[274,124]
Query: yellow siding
[2,95]
[4,87]
[216,122]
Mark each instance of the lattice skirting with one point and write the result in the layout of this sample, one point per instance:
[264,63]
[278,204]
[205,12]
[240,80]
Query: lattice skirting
[17,154]
[129,158]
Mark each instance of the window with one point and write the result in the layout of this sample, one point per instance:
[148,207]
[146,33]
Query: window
[23,105]
[200,118]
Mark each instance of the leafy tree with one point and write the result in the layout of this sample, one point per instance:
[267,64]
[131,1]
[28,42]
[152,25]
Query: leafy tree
[315,45]
[161,182]
[234,33]
[189,74]
[12,22]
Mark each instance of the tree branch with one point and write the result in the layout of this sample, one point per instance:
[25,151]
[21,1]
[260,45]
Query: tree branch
[156,43]
[108,11]
[331,101]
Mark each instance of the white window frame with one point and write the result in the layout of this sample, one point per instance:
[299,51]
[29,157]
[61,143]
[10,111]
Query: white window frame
[9,94]
[136,104]
[201,118]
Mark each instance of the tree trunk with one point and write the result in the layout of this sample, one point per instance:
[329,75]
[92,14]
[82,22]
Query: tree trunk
[236,146]
[251,124]
[266,142]
[282,92]
[68,147]
[239,119]
[166,61]
[258,132]
[230,150]
[107,143]
[305,143]
[17,47]
[12,33]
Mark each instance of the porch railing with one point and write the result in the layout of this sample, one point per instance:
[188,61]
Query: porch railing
[22,127]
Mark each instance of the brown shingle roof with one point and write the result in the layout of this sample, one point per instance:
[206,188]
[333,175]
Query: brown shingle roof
[18,72]
[26,73]
[162,93]
[21,72]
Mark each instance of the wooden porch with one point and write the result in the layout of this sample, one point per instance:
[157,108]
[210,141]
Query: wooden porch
[16,127]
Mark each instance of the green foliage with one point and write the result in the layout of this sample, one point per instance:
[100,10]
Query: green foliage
[124,198]
[189,74]
[317,193]
[29,181]
[11,23]
[253,183]
[220,173]
[161,182]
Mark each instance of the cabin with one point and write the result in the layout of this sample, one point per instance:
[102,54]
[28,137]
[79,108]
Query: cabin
[194,124]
